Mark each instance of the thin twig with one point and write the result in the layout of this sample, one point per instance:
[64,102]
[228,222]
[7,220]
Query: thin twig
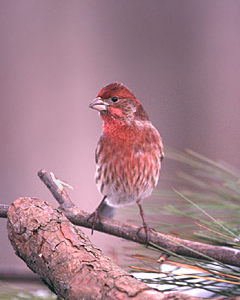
[56,188]
[170,243]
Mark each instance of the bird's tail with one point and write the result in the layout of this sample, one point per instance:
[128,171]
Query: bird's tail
[107,210]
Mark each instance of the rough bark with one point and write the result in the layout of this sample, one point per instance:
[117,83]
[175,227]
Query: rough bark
[64,257]
[169,244]
[176,245]
[70,265]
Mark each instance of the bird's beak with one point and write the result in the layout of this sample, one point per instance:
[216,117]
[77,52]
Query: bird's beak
[99,105]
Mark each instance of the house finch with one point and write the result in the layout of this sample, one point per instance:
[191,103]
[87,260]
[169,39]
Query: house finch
[128,154]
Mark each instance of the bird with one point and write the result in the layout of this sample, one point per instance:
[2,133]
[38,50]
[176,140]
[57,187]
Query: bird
[128,154]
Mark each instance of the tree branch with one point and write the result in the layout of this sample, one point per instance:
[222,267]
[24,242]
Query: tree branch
[169,243]
[129,232]
[64,257]
[67,261]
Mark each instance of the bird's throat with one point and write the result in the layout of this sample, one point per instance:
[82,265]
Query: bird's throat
[118,130]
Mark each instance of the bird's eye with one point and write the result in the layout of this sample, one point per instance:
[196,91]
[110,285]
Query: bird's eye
[114,99]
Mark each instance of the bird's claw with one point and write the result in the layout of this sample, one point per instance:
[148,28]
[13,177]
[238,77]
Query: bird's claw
[95,215]
[147,231]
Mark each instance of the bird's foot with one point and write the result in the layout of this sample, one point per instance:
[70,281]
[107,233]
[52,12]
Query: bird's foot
[95,215]
[147,231]
[144,225]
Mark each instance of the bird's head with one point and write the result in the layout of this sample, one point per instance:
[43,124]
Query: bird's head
[117,101]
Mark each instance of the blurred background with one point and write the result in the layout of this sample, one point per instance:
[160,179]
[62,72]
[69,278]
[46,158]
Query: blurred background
[180,58]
